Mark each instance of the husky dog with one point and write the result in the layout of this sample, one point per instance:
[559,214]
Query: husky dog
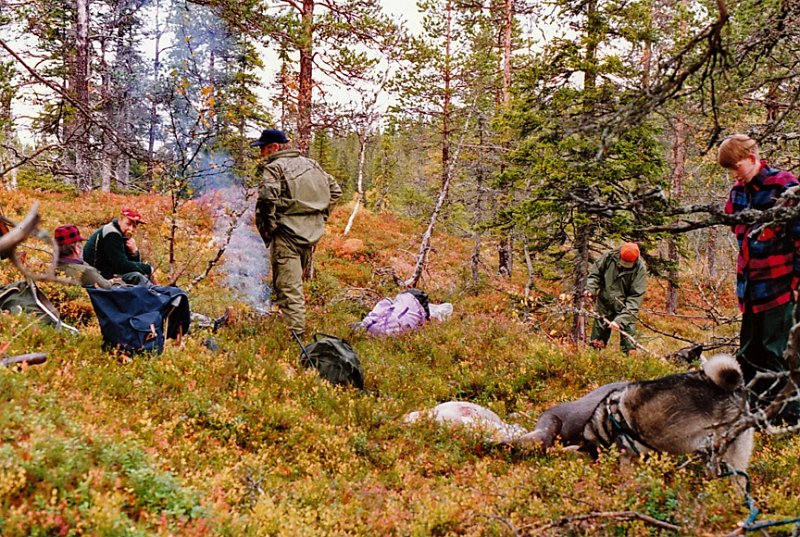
[678,414]
[566,421]
[471,416]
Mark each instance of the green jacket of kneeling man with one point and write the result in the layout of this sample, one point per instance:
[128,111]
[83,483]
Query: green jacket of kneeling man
[619,281]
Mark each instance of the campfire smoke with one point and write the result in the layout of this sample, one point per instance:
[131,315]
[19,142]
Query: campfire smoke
[246,257]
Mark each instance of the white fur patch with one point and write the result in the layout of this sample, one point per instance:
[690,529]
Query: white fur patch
[472,416]
[718,365]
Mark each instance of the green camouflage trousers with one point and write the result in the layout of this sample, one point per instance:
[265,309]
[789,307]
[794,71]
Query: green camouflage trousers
[289,261]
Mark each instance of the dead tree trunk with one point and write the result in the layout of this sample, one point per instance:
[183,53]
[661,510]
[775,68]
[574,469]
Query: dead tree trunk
[153,119]
[475,260]
[8,179]
[425,245]
[18,233]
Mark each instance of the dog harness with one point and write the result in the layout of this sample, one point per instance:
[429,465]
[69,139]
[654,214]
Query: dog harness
[615,428]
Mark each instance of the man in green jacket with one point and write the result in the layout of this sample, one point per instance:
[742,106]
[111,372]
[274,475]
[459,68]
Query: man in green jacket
[112,250]
[294,202]
[619,280]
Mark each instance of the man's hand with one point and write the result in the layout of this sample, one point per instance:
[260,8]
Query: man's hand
[613,326]
[588,295]
[130,245]
[153,277]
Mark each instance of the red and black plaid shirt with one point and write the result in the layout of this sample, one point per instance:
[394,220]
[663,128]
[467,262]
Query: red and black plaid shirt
[768,266]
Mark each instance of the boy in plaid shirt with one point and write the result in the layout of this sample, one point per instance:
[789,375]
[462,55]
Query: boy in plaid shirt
[767,269]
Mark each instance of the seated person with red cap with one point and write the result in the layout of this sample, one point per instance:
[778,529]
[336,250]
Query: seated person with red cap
[70,261]
[113,252]
[619,280]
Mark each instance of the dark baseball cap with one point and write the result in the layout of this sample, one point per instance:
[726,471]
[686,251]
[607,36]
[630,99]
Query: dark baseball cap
[270,136]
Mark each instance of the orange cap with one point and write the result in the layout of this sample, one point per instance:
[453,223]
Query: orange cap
[629,252]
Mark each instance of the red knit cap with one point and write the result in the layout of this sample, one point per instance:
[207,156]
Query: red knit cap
[629,252]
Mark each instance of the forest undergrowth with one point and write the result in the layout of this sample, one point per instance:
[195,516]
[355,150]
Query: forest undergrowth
[244,441]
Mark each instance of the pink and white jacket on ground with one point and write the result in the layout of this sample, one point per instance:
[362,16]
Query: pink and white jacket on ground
[393,316]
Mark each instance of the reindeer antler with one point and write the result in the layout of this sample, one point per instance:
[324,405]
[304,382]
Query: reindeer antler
[19,233]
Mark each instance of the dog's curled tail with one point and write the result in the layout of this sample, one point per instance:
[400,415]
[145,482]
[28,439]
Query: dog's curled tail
[724,371]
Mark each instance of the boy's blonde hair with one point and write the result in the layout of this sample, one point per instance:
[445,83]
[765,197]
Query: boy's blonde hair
[735,148]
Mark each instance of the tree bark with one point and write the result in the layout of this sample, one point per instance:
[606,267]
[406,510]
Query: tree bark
[306,82]
[106,159]
[678,177]
[580,274]
[446,106]
[121,93]
[79,126]
[505,247]
[582,232]
[153,120]
[9,179]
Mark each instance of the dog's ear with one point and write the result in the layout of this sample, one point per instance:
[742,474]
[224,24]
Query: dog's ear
[689,354]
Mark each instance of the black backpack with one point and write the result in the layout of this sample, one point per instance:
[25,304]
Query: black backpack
[132,317]
[334,359]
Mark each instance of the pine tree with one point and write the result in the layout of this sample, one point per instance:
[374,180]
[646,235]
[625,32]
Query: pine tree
[584,193]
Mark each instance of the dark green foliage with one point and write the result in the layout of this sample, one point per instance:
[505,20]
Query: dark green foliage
[579,189]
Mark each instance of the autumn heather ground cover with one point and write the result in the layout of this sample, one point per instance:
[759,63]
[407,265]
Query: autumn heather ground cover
[245,442]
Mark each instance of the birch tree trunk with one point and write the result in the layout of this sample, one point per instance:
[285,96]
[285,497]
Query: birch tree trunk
[362,152]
